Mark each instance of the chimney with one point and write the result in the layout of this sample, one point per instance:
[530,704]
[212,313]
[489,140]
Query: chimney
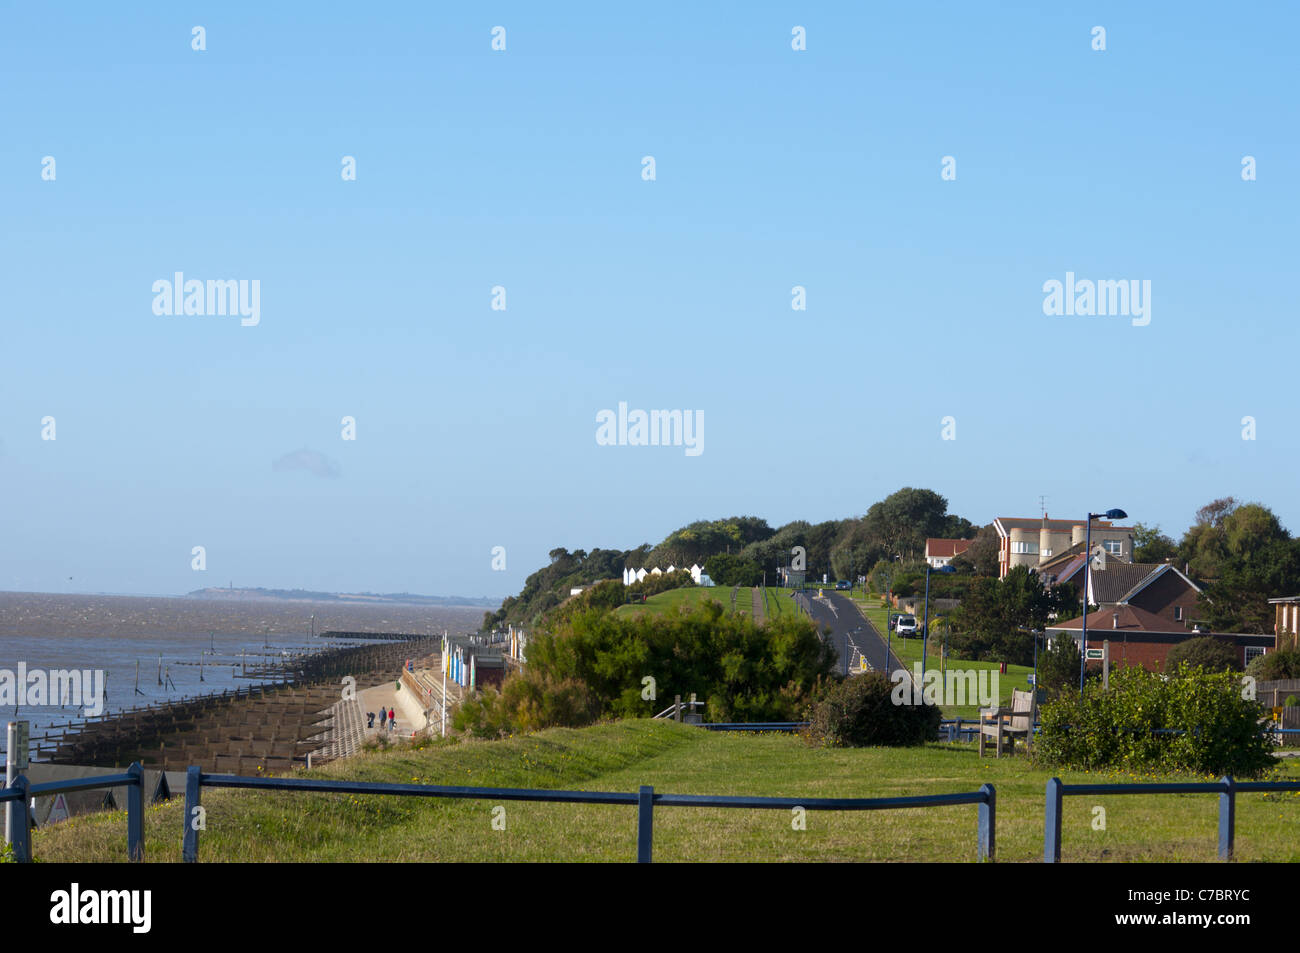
[1114,620]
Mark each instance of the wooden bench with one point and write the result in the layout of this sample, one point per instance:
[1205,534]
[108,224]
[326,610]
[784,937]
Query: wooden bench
[1011,723]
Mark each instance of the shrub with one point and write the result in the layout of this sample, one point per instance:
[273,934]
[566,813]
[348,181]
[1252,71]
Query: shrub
[590,664]
[1210,653]
[1284,663]
[1193,720]
[652,584]
[1058,666]
[860,711]
[527,702]
[729,570]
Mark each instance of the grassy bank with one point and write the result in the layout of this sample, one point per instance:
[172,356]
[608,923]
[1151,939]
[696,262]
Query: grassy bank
[674,600]
[263,827]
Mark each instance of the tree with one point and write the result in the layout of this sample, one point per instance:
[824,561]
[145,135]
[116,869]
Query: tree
[1152,546]
[1059,665]
[697,541]
[902,521]
[1213,654]
[981,555]
[1282,664]
[996,617]
[728,570]
[1245,556]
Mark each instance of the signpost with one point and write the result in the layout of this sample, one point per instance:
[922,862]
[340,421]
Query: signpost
[16,758]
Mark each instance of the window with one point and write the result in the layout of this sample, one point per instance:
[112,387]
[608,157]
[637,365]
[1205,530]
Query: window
[1047,554]
[1114,547]
[1253,652]
[1178,613]
[1023,547]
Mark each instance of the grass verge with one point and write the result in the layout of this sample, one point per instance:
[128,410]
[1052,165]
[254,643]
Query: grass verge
[266,827]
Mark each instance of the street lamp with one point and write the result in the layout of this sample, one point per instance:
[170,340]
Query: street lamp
[1087,566]
[925,631]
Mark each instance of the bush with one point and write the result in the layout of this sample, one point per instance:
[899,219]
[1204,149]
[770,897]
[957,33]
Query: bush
[1210,653]
[593,664]
[527,702]
[1284,663]
[1193,720]
[1058,666]
[727,570]
[860,711]
[653,584]
[1014,648]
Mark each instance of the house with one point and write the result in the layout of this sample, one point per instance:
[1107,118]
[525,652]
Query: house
[1139,637]
[1156,588]
[940,552]
[1286,624]
[1030,542]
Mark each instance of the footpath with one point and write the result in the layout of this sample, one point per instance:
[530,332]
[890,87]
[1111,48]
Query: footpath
[408,707]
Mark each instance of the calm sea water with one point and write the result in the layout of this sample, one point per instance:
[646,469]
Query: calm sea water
[113,633]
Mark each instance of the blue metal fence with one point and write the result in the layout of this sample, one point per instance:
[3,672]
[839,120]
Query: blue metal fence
[21,793]
[1225,787]
[645,801]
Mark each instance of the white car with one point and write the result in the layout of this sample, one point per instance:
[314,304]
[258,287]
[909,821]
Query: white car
[906,626]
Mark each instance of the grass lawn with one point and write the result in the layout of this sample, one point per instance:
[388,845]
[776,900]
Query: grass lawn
[675,600]
[264,827]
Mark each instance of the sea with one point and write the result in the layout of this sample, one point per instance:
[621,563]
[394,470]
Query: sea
[156,649]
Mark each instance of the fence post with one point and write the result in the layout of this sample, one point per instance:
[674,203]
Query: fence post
[1052,822]
[988,819]
[645,807]
[21,822]
[1227,817]
[190,842]
[135,812]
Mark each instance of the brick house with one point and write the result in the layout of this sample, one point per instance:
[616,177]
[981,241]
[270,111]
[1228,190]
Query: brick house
[1139,637]
[1157,588]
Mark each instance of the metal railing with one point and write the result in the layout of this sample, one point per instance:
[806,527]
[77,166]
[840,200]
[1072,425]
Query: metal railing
[645,801]
[18,798]
[1225,787]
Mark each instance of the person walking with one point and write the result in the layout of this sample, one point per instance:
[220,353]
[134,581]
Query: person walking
[370,719]
[392,720]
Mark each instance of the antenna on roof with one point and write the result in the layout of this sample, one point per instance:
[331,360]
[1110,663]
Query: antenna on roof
[1042,505]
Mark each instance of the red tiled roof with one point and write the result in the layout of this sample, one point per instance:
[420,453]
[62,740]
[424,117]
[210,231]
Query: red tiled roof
[946,547]
[1131,619]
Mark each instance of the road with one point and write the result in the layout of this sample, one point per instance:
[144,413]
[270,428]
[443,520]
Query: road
[850,632]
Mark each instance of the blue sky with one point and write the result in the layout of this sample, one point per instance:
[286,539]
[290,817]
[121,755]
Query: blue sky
[476,168]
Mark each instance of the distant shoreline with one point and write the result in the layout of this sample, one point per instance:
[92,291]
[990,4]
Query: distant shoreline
[292,596]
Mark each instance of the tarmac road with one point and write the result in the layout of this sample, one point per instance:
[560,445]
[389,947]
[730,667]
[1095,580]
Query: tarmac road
[850,632]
